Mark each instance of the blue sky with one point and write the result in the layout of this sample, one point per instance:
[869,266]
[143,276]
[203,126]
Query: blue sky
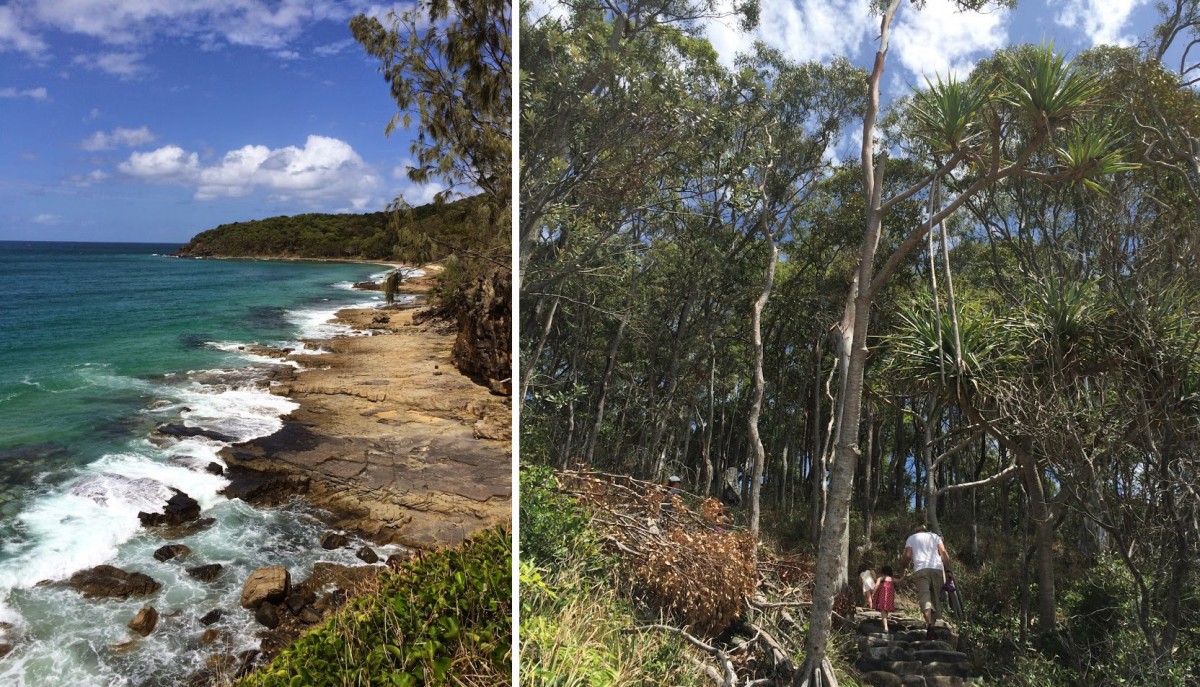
[139,120]
[146,120]
[936,38]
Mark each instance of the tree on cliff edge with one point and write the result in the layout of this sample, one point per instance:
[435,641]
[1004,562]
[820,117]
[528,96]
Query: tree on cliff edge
[449,62]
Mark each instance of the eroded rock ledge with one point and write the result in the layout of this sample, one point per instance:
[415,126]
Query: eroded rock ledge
[390,437]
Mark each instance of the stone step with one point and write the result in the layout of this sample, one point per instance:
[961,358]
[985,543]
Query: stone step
[964,669]
[939,656]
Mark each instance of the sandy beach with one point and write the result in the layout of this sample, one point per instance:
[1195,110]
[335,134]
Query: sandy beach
[390,437]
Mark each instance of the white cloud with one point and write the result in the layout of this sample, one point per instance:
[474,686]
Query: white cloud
[46,219]
[169,164]
[270,24]
[38,93]
[94,113]
[331,49]
[15,36]
[123,64]
[802,29]
[119,137]
[942,40]
[1103,21]
[324,169]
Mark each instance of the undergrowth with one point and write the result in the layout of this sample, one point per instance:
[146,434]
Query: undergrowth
[588,603]
[576,628]
[444,618]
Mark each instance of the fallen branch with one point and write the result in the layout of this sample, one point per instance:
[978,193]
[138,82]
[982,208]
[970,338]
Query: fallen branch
[727,665]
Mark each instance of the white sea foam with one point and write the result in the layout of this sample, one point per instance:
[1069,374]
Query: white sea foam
[317,323]
[344,285]
[243,412]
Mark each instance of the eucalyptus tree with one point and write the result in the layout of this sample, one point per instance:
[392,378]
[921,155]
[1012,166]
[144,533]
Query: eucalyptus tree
[449,62]
[985,130]
[800,109]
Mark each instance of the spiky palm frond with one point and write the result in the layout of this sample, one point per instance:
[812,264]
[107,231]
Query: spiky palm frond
[1089,152]
[922,346]
[1065,313]
[948,113]
[1047,88]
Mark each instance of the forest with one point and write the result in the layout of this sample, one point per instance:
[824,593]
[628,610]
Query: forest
[980,315]
[421,234]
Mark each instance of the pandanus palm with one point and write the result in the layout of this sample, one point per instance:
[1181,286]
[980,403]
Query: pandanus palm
[922,342]
[1039,94]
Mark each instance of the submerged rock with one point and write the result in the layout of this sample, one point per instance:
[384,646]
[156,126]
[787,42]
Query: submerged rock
[188,528]
[206,573]
[183,431]
[169,551]
[106,581]
[209,636]
[271,584]
[144,622]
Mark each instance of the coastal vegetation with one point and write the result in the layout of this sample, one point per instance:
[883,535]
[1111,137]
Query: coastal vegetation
[432,232]
[979,315]
[444,618]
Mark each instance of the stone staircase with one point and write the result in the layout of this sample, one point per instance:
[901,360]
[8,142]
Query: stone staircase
[904,658]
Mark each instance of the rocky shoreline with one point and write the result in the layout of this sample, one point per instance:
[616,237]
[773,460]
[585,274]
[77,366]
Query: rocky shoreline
[390,438]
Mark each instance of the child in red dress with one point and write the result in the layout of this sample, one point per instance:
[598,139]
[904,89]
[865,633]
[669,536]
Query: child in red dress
[885,594]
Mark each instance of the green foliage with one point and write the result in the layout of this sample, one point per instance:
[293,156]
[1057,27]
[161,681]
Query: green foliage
[1047,87]
[450,63]
[554,528]
[947,113]
[369,236]
[445,618]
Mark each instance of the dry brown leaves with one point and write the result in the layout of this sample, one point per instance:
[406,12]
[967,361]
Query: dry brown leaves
[691,565]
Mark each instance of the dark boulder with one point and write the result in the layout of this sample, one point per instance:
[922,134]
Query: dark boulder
[333,540]
[367,555]
[398,559]
[180,508]
[296,602]
[206,573]
[309,616]
[211,617]
[166,553]
[183,431]
[215,468]
[144,622]
[267,614]
[106,581]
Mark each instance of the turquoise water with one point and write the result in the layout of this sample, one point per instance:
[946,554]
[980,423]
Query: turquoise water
[99,344]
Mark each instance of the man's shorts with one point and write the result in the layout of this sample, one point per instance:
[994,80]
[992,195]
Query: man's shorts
[929,583]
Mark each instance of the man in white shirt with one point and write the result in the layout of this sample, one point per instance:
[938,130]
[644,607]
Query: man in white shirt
[926,553]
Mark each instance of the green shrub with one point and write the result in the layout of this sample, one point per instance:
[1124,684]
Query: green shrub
[554,527]
[444,618]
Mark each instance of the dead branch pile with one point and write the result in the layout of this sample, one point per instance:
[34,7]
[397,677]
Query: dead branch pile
[691,565]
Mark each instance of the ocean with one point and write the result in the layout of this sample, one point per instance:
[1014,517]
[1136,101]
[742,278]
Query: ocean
[100,344]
